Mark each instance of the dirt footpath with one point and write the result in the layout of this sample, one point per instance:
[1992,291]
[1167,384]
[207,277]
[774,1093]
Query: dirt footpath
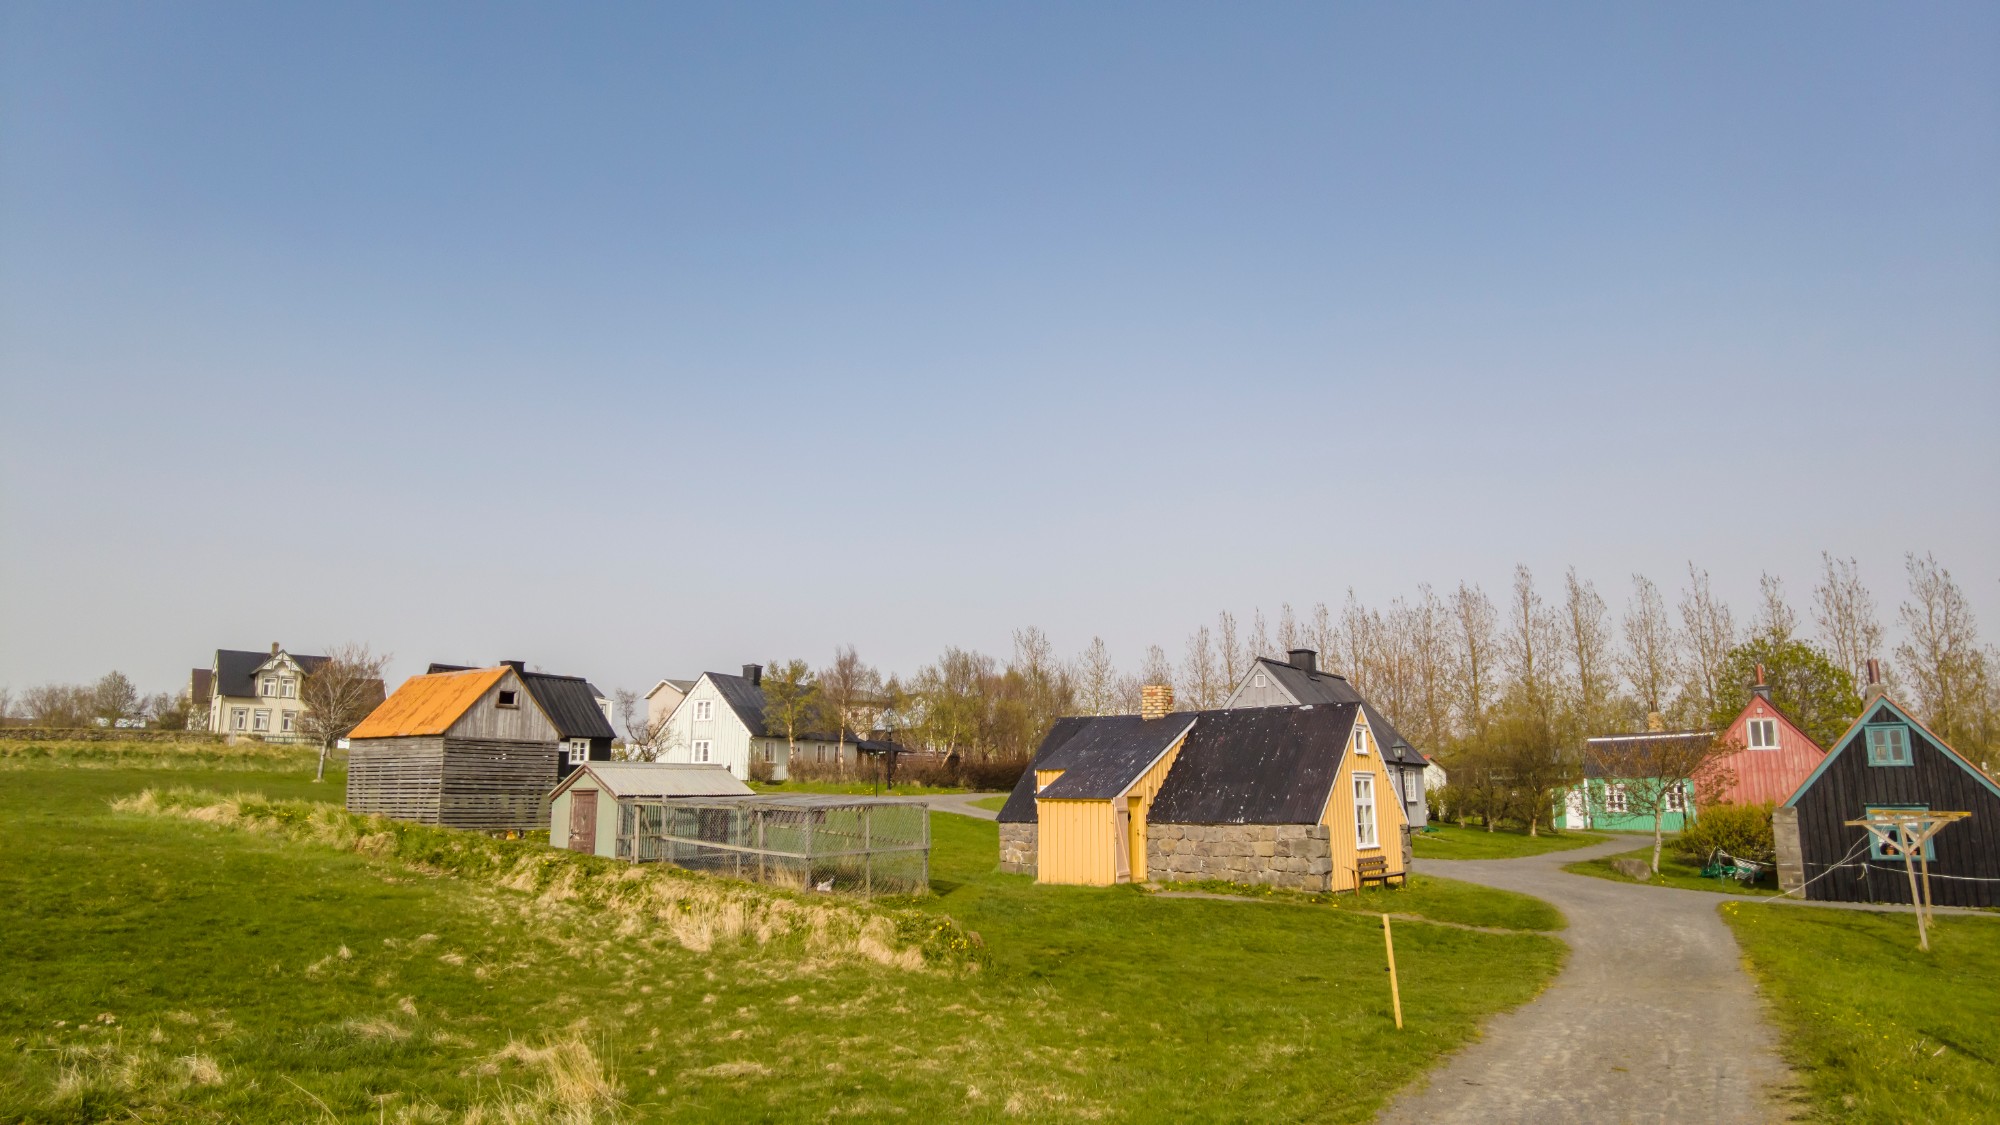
[1652,1019]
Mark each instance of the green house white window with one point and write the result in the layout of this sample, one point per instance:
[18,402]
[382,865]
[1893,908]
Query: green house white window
[1889,745]
[1876,848]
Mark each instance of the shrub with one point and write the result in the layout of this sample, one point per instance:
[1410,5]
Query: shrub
[1743,831]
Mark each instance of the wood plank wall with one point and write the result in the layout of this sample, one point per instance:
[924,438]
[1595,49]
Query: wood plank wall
[400,778]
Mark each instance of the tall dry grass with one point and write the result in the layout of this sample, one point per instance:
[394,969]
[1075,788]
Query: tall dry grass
[195,754]
[700,912]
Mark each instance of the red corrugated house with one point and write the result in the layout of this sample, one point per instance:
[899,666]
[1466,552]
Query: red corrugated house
[1775,755]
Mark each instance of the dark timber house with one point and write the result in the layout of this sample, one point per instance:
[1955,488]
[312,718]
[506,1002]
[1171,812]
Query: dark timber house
[1889,761]
[578,710]
[469,749]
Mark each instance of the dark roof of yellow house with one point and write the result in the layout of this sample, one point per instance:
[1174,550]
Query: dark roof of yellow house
[428,704]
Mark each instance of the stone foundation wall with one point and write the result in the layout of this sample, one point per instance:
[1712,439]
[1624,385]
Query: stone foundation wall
[1298,856]
[1018,848]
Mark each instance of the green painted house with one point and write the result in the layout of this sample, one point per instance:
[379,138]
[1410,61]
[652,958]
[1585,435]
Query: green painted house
[1620,791]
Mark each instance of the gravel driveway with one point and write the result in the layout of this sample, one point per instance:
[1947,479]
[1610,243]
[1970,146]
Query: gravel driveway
[1652,1019]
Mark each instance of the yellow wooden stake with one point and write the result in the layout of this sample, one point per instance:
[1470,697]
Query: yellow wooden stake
[1395,992]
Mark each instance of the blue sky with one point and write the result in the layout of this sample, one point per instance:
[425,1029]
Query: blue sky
[639,340]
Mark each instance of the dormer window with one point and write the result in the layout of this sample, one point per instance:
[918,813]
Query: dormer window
[508,699]
[1763,734]
[270,686]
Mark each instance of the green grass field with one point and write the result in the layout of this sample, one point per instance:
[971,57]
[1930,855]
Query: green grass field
[994,804]
[1877,1030]
[851,788]
[1674,872]
[1452,842]
[169,970]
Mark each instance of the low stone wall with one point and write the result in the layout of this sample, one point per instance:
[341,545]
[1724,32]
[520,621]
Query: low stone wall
[1298,856]
[1018,848]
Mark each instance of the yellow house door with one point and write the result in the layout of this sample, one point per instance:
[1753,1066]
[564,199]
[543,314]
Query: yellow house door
[1121,845]
[1136,827]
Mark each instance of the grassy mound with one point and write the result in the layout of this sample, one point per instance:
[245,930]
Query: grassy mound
[193,754]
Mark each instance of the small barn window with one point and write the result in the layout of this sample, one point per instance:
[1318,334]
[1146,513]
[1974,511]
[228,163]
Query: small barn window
[1763,734]
[1261,681]
[579,751]
[508,699]
[1360,740]
[1889,745]
[1893,849]
[1364,811]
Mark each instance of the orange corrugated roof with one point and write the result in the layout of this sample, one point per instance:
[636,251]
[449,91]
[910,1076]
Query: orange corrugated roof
[428,704]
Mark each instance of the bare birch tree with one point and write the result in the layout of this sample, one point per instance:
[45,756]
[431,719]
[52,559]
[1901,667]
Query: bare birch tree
[1427,715]
[1229,649]
[1290,636]
[1476,632]
[791,702]
[1325,640]
[1844,612]
[1259,641]
[1156,668]
[1941,654]
[1533,646]
[338,694]
[849,686]
[1775,622]
[1586,628]
[1710,633]
[1097,679]
[1201,685]
[1652,657]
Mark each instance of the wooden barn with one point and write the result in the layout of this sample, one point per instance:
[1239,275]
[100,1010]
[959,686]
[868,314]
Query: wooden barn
[1889,761]
[581,713]
[468,749]
[583,809]
[1297,797]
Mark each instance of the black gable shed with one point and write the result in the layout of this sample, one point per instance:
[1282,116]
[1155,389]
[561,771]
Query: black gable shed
[1888,760]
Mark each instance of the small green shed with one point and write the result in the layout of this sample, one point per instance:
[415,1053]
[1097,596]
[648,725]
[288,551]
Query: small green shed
[583,809]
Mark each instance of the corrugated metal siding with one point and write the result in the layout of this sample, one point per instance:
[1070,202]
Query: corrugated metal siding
[1768,776]
[1074,844]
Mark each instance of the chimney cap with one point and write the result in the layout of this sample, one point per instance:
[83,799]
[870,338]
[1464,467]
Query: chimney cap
[516,665]
[1304,659]
[754,673]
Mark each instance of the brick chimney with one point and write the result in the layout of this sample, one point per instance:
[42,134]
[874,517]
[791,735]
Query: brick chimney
[1760,689]
[755,674]
[1305,660]
[1876,688]
[274,648]
[1155,700]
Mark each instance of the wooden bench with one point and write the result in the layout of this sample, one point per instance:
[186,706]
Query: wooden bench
[1374,869]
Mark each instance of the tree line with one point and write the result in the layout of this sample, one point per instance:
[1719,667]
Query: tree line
[111,700]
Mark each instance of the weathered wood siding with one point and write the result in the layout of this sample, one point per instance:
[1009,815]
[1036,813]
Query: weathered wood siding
[487,720]
[401,778]
[1965,870]
[494,785]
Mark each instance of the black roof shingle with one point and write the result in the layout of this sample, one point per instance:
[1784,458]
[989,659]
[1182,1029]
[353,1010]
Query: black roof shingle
[1331,687]
[1260,765]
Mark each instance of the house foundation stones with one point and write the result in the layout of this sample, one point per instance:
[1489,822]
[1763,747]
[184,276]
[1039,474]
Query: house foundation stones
[1017,848]
[1295,856]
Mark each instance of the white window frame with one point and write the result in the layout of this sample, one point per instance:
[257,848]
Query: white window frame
[579,751]
[1364,812]
[239,718]
[704,710]
[703,748]
[290,687]
[1677,800]
[288,721]
[260,720]
[1763,727]
[269,686]
[770,752]
[1361,741]
[1614,799]
[1261,681]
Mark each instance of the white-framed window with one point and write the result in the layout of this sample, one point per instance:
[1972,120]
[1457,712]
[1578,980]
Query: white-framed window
[702,748]
[1361,740]
[1261,681]
[1677,800]
[770,751]
[270,686]
[1614,798]
[1364,811]
[1763,734]
[288,721]
[819,752]
[704,709]
[239,718]
[261,719]
[579,751]
[291,687]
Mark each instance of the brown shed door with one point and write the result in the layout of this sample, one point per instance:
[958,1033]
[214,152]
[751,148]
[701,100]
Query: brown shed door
[583,820]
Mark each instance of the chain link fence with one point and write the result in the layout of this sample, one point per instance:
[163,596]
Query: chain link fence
[825,843]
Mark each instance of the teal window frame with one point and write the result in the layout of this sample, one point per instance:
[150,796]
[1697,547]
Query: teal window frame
[1875,842]
[1879,745]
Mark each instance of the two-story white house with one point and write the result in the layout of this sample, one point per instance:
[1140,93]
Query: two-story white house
[254,692]
[721,721]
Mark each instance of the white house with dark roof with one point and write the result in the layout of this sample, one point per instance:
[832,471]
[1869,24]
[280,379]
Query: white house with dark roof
[1299,681]
[252,693]
[721,720]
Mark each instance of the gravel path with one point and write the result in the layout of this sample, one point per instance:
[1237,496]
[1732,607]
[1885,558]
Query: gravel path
[960,803]
[1652,1019]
